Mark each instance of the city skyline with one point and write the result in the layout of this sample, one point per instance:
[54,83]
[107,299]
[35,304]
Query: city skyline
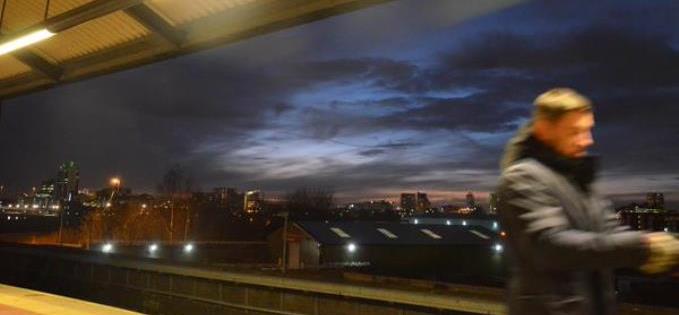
[425,104]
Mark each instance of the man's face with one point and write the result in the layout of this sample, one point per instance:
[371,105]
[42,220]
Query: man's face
[571,135]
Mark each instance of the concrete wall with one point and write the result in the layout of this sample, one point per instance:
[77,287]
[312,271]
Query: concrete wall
[443,263]
[145,287]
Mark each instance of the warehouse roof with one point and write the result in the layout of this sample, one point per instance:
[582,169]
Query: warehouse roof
[395,233]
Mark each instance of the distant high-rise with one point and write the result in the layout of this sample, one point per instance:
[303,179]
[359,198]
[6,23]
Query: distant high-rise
[228,198]
[655,200]
[253,201]
[492,203]
[415,202]
[66,183]
[422,202]
[44,196]
[408,203]
[470,200]
[235,199]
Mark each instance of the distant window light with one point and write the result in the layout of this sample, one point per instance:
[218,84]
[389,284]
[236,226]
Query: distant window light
[479,234]
[340,232]
[387,233]
[431,234]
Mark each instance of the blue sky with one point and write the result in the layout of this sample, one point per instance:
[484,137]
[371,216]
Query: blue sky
[398,97]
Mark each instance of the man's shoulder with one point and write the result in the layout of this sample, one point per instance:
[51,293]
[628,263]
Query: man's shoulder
[526,174]
[527,167]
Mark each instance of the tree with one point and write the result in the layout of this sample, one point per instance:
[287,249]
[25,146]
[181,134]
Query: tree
[176,186]
[310,203]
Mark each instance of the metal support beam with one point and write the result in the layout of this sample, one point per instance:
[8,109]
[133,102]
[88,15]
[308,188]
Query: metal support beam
[87,12]
[75,17]
[151,20]
[39,64]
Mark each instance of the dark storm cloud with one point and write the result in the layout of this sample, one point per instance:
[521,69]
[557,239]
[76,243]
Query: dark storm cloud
[386,148]
[371,152]
[389,102]
[631,75]
[232,114]
[383,72]
[473,113]
[632,78]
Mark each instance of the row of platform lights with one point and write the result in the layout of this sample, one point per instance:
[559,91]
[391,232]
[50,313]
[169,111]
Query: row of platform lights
[152,248]
[34,206]
[464,223]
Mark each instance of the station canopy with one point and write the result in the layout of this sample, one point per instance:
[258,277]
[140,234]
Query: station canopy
[45,43]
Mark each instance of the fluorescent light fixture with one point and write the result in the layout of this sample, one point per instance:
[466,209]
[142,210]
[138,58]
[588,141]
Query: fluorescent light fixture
[25,40]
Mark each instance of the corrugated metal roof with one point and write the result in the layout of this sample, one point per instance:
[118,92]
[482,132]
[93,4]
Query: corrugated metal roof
[86,39]
[11,67]
[57,7]
[395,233]
[95,37]
[19,14]
[183,12]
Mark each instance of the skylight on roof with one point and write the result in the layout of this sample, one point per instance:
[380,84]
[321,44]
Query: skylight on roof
[431,234]
[479,234]
[387,233]
[340,232]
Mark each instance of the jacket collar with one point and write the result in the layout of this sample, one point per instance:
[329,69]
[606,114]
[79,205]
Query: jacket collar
[581,171]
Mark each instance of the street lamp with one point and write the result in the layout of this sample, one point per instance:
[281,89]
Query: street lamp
[115,182]
[115,185]
[188,248]
[107,248]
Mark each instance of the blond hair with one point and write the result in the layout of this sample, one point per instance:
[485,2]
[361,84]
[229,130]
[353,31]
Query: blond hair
[558,101]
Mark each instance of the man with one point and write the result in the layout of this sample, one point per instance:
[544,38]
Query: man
[564,240]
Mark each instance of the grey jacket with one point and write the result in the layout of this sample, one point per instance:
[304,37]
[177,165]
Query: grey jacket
[563,238]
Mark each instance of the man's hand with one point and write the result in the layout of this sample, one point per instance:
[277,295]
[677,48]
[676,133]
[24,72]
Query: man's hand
[664,252]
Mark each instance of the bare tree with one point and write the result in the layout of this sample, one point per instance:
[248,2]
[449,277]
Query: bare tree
[176,186]
[310,203]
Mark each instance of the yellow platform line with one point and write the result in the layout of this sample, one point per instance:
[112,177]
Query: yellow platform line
[49,304]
